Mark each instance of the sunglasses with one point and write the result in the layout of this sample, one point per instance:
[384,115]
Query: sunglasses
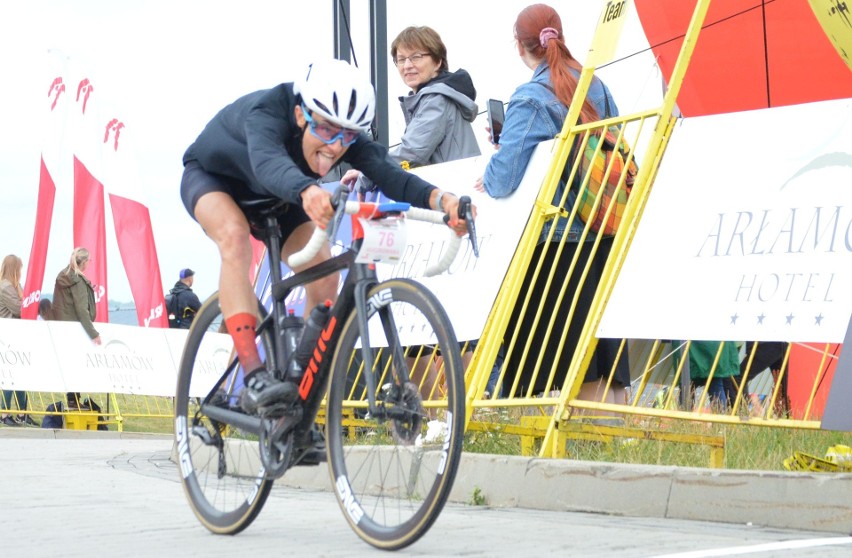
[329,133]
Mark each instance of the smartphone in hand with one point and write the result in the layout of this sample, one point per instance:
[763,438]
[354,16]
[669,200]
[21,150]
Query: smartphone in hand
[495,119]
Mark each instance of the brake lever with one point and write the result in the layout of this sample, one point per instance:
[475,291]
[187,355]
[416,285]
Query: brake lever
[466,213]
[338,201]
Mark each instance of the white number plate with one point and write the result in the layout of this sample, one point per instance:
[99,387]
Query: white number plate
[384,240]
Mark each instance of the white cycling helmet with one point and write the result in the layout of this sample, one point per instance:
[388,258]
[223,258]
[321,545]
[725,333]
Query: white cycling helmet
[339,92]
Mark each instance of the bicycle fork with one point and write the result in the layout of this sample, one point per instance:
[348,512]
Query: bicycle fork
[365,307]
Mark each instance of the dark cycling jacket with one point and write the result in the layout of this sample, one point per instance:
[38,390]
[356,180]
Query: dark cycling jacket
[256,141]
[185,300]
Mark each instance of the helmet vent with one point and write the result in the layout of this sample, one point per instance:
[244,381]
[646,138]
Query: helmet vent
[363,118]
[321,106]
[353,102]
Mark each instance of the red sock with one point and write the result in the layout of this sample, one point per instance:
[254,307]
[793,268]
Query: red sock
[242,330]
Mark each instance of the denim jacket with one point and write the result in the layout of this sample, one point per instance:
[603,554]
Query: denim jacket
[535,115]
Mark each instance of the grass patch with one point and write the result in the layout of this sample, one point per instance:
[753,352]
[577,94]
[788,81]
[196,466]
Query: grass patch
[149,425]
[746,447]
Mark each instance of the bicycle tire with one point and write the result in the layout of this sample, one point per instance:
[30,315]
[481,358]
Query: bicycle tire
[225,504]
[391,480]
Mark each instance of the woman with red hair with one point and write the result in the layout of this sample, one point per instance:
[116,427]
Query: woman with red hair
[536,113]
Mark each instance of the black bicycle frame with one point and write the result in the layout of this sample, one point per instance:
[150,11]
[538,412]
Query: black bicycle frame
[359,279]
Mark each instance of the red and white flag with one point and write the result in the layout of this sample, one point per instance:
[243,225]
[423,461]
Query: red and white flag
[38,251]
[139,254]
[102,163]
[131,218]
[89,218]
[53,126]
[90,232]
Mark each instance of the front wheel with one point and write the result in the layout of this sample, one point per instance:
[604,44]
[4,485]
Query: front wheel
[392,474]
[220,465]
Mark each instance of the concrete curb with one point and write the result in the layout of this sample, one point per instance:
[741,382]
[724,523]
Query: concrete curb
[806,501]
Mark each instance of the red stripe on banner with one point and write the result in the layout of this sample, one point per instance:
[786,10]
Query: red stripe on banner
[139,254]
[38,251]
[90,233]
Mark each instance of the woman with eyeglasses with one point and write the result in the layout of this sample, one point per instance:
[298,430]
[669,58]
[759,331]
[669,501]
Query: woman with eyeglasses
[279,142]
[440,108]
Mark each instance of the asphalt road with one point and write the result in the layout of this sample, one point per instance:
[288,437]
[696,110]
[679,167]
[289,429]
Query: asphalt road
[100,496]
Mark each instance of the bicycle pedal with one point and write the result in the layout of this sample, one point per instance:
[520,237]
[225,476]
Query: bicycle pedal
[311,456]
[279,409]
[276,411]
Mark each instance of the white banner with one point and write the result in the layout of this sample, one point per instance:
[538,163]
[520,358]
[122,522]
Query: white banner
[27,359]
[747,234]
[129,360]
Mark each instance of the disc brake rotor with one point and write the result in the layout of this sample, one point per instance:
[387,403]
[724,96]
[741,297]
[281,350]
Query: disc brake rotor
[406,429]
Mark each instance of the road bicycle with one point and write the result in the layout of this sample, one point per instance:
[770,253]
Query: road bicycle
[385,379]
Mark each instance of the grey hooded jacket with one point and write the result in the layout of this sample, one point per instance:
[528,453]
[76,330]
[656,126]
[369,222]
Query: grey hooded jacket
[438,121]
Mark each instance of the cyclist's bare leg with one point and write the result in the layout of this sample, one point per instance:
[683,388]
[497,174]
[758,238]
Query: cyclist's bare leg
[321,289]
[225,224]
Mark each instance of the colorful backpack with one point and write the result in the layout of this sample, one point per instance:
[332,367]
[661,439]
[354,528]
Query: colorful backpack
[594,162]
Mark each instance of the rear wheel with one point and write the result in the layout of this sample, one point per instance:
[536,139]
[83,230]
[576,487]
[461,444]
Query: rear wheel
[392,475]
[220,465]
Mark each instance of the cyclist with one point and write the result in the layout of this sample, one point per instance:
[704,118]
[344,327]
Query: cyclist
[278,142]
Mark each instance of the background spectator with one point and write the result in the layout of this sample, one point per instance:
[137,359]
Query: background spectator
[181,303]
[45,308]
[74,301]
[702,354]
[11,295]
[767,354]
[536,113]
[440,108]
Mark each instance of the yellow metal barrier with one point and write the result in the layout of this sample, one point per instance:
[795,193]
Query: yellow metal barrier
[82,420]
[147,413]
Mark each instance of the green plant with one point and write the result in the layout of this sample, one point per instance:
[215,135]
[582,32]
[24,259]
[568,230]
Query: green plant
[477,498]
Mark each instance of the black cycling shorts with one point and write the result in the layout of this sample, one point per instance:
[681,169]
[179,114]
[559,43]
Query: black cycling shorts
[196,182]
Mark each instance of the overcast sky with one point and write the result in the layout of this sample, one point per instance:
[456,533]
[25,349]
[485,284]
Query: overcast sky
[168,66]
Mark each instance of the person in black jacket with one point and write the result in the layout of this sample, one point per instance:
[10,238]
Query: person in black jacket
[279,142]
[182,303]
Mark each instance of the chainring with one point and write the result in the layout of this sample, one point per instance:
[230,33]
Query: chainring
[276,452]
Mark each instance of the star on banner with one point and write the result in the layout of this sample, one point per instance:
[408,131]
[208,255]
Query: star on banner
[734,319]
[818,319]
[790,317]
[760,319]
